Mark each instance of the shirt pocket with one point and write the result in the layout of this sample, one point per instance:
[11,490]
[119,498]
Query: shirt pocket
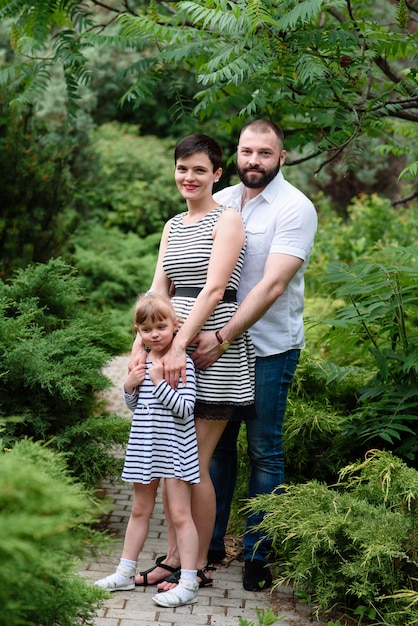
[256,237]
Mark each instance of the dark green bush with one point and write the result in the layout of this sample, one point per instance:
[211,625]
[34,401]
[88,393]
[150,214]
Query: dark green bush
[41,169]
[52,351]
[45,525]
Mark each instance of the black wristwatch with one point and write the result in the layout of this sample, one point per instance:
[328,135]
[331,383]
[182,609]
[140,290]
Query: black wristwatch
[225,345]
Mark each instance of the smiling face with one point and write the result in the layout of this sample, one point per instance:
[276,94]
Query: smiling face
[157,334]
[259,157]
[194,176]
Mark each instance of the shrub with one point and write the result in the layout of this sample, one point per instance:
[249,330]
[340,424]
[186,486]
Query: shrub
[378,327]
[134,188]
[114,266]
[351,545]
[52,352]
[45,524]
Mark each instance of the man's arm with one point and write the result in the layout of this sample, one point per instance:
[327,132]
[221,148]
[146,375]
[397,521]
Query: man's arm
[278,272]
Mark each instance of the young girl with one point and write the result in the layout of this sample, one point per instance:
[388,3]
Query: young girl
[162,444]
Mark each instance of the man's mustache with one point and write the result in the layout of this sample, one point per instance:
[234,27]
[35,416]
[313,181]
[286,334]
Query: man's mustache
[254,168]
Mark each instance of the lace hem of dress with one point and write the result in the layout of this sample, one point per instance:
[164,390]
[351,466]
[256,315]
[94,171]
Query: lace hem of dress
[223,412]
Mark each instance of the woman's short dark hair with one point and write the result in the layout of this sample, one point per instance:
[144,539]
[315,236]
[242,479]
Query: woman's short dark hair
[199,143]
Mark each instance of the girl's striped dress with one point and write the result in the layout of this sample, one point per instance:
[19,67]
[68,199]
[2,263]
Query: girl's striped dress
[162,442]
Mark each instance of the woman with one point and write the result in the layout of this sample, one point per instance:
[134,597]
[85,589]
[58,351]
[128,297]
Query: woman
[200,258]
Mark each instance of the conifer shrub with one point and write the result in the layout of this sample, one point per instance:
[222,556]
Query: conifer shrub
[351,547]
[113,268]
[52,352]
[45,526]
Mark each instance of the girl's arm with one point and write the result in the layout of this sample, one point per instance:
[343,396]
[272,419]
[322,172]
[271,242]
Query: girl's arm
[181,402]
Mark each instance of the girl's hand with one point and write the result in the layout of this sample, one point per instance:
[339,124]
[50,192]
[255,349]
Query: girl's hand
[135,377]
[156,371]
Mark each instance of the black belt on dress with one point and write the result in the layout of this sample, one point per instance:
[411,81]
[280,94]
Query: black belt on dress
[230,295]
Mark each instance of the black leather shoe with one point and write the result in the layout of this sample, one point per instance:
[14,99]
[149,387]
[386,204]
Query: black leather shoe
[257,575]
[216,556]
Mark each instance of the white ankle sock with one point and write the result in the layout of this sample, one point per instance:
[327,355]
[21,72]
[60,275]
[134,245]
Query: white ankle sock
[189,574]
[120,579]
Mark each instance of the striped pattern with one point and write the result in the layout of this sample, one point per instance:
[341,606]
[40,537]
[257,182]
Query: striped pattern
[162,442]
[229,381]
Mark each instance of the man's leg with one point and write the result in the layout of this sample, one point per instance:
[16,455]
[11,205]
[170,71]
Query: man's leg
[223,471]
[265,450]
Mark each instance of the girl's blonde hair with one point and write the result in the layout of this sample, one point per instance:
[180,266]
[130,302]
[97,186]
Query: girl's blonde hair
[153,306]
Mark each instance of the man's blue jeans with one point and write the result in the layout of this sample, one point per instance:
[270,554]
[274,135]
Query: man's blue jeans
[273,376]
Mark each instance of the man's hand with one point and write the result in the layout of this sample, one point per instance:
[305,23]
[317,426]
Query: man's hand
[208,350]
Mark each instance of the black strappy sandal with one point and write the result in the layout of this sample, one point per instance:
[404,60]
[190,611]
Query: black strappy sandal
[204,580]
[172,572]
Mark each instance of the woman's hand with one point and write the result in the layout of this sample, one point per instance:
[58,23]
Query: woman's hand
[175,366]
[138,353]
[156,371]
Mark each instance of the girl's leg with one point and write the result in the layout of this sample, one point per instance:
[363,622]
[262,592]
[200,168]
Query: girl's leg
[138,524]
[179,494]
[136,533]
[172,560]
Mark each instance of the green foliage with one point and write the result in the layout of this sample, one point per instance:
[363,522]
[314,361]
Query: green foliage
[380,318]
[265,617]
[114,266]
[331,73]
[134,188]
[31,31]
[52,353]
[45,524]
[302,61]
[37,183]
[371,223]
[351,545]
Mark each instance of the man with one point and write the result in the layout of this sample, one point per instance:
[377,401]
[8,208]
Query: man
[281,223]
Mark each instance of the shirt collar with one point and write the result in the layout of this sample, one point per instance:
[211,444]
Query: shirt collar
[269,193]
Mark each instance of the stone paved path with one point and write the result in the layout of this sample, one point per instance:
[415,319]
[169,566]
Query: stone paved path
[221,605]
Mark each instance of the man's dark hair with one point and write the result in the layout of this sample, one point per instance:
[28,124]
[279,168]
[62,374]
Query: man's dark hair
[265,126]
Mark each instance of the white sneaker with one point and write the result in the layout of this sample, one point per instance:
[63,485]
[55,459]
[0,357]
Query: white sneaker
[122,580]
[185,593]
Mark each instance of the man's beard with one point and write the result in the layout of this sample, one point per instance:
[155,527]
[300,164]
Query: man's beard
[255,181]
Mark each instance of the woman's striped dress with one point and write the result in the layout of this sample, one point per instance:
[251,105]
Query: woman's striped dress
[230,380]
[162,442]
